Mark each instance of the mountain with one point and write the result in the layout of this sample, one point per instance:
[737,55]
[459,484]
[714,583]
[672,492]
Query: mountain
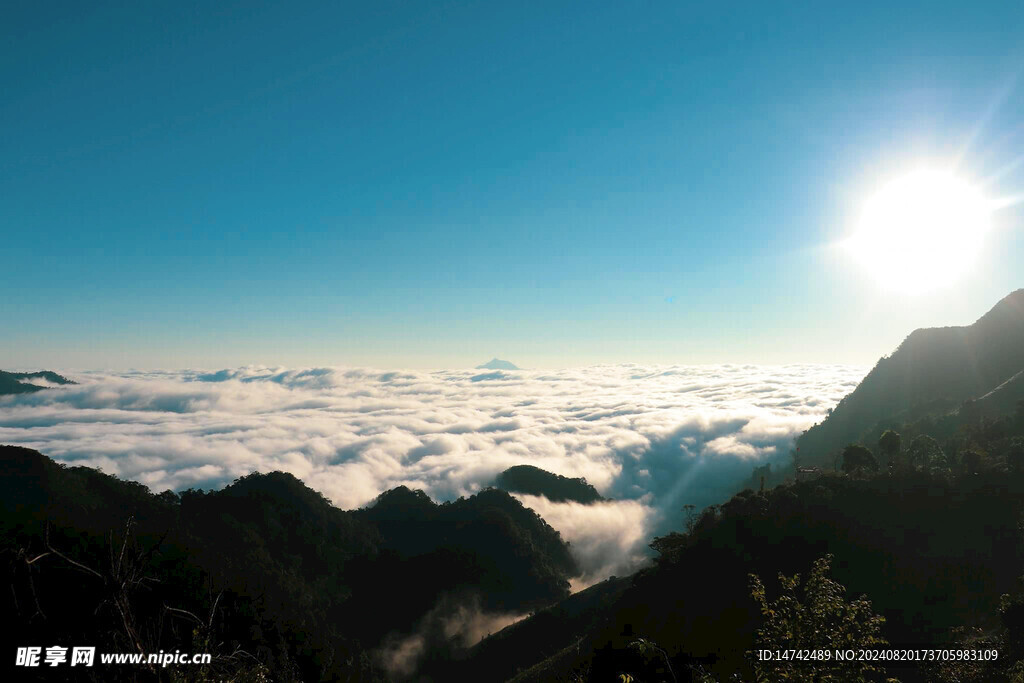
[47,375]
[1004,399]
[497,364]
[537,482]
[265,567]
[910,541]
[278,584]
[15,382]
[933,372]
[548,633]
[932,544]
[515,541]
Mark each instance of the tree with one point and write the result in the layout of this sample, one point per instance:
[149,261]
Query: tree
[760,475]
[1015,456]
[889,447]
[648,648]
[970,412]
[691,517]
[971,460]
[857,458]
[924,453]
[819,618]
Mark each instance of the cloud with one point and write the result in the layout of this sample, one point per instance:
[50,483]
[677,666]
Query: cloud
[455,623]
[607,538]
[654,438]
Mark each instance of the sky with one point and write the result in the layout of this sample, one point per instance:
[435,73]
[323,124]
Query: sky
[429,185]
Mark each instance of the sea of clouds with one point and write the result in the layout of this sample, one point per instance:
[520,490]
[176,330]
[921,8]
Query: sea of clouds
[651,438]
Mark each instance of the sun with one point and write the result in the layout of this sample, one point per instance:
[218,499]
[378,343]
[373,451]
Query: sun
[921,232]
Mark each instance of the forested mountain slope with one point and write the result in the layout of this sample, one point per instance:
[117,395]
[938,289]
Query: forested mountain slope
[537,482]
[933,553]
[21,382]
[933,371]
[265,574]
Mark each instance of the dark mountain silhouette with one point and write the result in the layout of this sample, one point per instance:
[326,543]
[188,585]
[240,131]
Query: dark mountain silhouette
[492,524]
[929,531]
[497,364]
[48,375]
[1004,398]
[279,584]
[558,629]
[20,382]
[265,574]
[934,371]
[537,482]
[909,541]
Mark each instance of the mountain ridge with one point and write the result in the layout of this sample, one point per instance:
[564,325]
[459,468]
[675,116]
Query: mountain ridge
[273,566]
[933,371]
[537,482]
[11,382]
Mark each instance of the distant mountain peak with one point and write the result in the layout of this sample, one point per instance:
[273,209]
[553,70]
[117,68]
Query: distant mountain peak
[497,364]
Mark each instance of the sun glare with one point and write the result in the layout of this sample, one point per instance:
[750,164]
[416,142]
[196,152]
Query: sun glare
[921,232]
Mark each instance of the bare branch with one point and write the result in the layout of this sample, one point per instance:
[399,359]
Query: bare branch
[36,558]
[69,560]
[186,613]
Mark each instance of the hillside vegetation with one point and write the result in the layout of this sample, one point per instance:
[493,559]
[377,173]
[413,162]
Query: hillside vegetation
[934,547]
[909,536]
[919,508]
[265,574]
[933,372]
[537,482]
[21,382]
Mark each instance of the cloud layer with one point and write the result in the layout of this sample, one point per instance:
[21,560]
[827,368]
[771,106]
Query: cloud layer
[654,438]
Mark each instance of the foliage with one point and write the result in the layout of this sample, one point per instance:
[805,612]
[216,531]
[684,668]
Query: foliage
[931,374]
[971,461]
[648,648]
[15,382]
[1015,455]
[815,617]
[889,446]
[266,575]
[934,540]
[537,482]
[925,454]
[857,458]
[909,539]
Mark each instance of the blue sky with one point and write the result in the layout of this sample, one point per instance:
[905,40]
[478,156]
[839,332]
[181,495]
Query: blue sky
[433,184]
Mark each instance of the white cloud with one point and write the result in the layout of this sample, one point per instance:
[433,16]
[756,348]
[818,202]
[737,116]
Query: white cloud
[607,538]
[657,437]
